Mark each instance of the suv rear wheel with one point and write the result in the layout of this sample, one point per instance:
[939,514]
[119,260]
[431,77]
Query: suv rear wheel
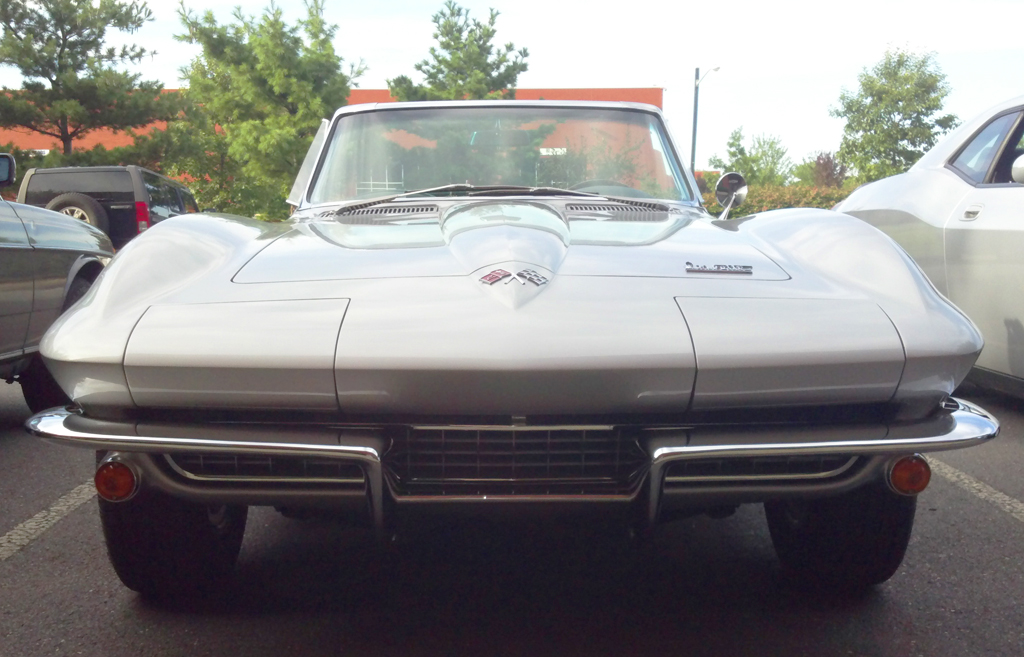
[81,207]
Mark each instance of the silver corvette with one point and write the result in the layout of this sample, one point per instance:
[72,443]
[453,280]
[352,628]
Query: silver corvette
[960,213]
[510,305]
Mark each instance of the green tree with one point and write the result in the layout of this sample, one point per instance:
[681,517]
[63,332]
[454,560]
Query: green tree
[257,95]
[893,119]
[464,65]
[823,169]
[71,82]
[766,163]
[735,151]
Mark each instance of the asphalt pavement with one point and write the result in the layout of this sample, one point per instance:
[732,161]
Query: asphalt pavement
[704,587]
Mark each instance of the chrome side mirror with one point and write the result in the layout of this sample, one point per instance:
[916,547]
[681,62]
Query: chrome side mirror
[730,191]
[1017,171]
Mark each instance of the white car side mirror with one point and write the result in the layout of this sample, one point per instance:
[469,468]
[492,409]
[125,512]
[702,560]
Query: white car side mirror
[1017,172]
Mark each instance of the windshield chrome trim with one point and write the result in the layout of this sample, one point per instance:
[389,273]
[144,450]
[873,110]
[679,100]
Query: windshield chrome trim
[687,176]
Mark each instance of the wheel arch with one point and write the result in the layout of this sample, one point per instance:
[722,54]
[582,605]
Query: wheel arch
[86,266]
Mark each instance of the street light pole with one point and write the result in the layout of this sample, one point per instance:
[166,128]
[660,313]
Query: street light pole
[697,79]
[693,140]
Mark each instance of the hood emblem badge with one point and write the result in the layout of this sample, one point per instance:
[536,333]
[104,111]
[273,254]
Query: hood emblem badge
[530,275]
[494,276]
[520,277]
[718,269]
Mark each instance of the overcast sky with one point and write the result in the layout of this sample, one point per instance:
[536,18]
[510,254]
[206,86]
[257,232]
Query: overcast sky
[782,63]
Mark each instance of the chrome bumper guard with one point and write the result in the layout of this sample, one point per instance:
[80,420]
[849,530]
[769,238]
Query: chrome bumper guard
[960,424]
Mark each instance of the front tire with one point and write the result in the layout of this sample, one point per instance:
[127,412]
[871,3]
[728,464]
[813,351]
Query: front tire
[39,388]
[850,542]
[168,548]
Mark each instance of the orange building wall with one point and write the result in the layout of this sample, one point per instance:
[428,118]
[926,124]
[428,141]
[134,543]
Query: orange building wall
[27,140]
[649,95]
[360,96]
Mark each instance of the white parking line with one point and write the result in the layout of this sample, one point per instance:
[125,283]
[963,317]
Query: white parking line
[978,488]
[34,527]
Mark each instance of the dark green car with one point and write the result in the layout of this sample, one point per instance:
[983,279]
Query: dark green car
[47,262]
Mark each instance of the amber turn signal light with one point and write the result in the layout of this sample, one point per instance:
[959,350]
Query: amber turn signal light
[909,475]
[116,481]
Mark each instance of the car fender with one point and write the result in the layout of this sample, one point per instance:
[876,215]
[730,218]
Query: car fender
[186,251]
[854,255]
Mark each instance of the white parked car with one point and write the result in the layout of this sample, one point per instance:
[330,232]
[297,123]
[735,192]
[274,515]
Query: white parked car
[959,212]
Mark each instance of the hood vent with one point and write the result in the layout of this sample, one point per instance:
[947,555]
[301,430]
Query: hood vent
[618,206]
[618,211]
[377,213]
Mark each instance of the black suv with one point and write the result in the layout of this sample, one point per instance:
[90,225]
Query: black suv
[122,201]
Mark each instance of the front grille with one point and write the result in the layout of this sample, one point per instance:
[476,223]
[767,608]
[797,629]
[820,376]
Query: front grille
[769,468]
[260,468]
[520,461]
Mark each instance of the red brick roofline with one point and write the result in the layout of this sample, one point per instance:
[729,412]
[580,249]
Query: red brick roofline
[26,140]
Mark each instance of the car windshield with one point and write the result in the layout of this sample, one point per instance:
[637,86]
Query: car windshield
[615,152]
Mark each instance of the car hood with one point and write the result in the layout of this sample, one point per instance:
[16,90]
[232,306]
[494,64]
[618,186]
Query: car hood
[506,310]
[596,239]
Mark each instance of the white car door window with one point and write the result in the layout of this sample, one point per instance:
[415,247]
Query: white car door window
[1002,173]
[975,160]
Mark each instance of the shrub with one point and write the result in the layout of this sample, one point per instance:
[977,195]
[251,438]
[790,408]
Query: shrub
[763,198]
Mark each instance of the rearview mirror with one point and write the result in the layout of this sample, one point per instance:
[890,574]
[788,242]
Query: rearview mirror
[1017,172]
[8,170]
[730,191]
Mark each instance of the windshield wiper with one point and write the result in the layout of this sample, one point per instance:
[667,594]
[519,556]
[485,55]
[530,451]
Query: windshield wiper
[473,190]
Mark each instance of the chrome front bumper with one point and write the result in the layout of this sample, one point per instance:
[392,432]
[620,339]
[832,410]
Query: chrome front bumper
[959,424]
